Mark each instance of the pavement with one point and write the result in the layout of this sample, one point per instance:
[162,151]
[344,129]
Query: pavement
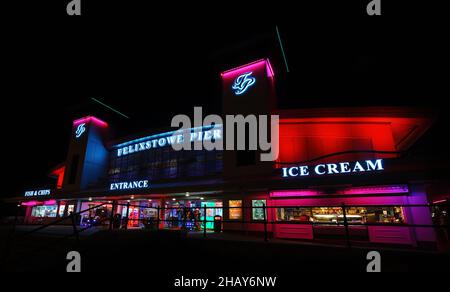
[176,252]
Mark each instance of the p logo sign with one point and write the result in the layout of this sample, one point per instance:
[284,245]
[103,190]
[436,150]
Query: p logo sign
[243,82]
[74,265]
[80,130]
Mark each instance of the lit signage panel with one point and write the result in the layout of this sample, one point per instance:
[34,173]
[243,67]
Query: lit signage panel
[333,168]
[38,193]
[167,139]
[138,184]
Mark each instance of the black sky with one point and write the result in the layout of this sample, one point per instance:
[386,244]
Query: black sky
[153,62]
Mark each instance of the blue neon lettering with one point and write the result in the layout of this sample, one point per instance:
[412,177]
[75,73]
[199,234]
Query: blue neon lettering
[170,140]
[80,130]
[213,133]
[194,136]
[162,142]
[243,82]
[207,136]
[217,134]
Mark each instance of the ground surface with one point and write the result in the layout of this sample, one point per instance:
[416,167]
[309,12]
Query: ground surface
[174,253]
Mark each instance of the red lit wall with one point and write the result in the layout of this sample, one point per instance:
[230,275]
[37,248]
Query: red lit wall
[306,141]
[59,173]
[309,138]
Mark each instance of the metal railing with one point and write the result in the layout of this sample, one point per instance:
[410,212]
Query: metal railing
[72,218]
[181,220]
[201,221]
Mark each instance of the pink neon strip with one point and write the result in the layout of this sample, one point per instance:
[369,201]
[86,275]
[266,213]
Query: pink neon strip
[269,69]
[299,193]
[30,203]
[397,189]
[439,201]
[250,67]
[375,190]
[50,202]
[90,119]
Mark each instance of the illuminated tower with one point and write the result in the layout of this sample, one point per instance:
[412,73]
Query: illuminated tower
[87,159]
[248,90]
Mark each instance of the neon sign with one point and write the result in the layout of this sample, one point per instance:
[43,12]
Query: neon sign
[139,184]
[243,82]
[80,130]
[167,139]
[334,168]
[90,119]
[37,193]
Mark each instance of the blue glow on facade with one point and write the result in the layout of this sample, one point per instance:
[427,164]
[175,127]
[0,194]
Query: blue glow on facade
[243,82]
[80,130]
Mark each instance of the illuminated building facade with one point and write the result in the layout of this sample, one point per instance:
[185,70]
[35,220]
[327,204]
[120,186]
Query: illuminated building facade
[328,158]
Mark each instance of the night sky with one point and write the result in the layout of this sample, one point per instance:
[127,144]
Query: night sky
[154,62]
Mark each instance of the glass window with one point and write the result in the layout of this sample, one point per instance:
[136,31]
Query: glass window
[149,213]
[257,210]
[235,209]
[70,209]
[62,207]
[385,215]
[294,214]
[44,211]
[358,215]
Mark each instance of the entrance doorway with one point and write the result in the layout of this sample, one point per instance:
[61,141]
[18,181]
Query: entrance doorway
[189,214]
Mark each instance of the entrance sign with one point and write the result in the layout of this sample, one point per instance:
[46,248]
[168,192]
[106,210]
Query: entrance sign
[139,184]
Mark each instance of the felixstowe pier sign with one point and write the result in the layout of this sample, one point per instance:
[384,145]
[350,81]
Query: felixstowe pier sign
[165,139]
[334,168]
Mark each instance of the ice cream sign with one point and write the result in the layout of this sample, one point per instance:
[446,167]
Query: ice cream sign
[333,168]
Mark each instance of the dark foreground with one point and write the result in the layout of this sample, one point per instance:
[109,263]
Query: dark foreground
[169,254]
